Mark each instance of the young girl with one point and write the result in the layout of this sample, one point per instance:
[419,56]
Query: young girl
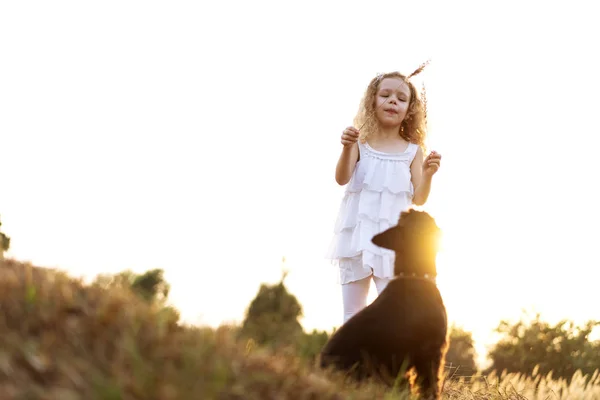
[386,172]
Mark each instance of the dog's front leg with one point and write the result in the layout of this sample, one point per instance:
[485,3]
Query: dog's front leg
[428,377]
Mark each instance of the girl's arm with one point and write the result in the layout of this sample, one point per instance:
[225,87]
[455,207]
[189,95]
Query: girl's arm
[346,164]
[421,182]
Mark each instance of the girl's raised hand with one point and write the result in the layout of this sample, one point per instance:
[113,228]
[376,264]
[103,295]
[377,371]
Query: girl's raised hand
[431,164]
[349,136]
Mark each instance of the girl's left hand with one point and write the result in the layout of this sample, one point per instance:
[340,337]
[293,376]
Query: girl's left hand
[431,163]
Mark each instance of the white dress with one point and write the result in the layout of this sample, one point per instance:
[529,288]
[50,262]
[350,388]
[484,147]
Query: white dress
[379,190]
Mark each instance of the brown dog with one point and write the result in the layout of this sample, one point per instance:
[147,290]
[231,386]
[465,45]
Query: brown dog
[404,330]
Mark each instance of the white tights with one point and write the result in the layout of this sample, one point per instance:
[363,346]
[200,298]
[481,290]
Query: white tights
[354,294]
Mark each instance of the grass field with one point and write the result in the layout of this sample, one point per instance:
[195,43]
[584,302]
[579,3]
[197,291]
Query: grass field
[63,339]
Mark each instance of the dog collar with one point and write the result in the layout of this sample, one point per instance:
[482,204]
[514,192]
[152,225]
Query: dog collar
[426,277]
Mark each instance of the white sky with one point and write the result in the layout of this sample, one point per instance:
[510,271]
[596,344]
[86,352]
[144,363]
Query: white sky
[202,137]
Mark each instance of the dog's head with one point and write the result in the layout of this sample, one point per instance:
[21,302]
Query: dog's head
[414,240]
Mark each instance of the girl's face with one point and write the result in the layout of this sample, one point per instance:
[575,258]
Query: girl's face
[391,101]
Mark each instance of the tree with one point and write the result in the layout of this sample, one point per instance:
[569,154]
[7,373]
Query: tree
[150,286]
[272,317]
[461,354]
[562,348]
[311,344]
[4,242]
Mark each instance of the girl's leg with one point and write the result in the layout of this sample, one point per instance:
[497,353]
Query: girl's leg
[354,295]
[381,283]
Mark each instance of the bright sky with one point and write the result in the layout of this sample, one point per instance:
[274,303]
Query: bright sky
[202,137]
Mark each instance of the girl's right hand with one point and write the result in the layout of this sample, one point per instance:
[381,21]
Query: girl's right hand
[349,136]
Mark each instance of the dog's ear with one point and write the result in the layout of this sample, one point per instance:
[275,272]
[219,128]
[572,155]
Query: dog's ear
[388,239]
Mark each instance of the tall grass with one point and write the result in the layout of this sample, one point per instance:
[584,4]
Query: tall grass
[62,339]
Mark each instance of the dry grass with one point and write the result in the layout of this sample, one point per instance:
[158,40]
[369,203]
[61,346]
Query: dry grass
[61,339]
[515,386]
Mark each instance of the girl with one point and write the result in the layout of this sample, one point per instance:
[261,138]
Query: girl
[384,167]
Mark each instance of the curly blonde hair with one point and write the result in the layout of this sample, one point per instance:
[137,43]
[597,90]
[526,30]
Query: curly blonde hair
[414,126]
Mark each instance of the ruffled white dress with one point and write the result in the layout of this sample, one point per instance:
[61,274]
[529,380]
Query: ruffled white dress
[379,190]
